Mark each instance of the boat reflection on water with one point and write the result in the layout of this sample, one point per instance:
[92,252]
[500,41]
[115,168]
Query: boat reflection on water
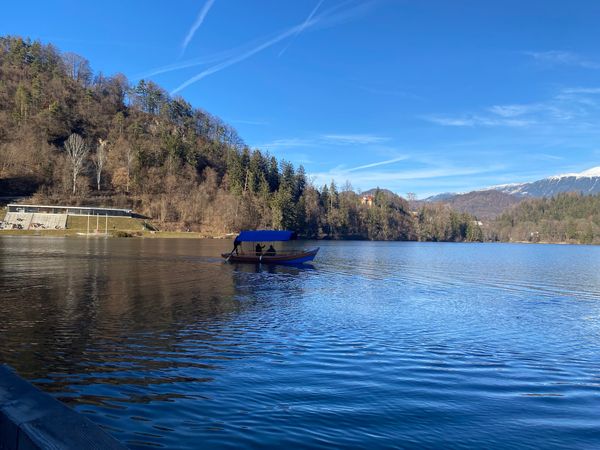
[289,269]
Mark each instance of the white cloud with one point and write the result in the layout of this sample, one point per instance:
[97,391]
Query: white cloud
[558,57]
[581,90]
[378,90]
[494,122]
[354,139]
[546,157]
[450,121]
[475,120]
[326,140]
[573,107]
[250,122]
[513,110]
[286,143]
[370,179]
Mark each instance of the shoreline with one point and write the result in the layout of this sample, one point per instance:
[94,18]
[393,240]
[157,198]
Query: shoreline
[200,235]
[113,234]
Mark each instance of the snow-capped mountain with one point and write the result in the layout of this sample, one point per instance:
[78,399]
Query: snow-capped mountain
[586,182]
[590,173]
[491,201]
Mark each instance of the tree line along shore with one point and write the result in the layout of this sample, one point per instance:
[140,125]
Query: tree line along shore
[72,136]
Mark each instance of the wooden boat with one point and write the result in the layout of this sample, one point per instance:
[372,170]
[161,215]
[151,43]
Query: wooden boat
[259,236]
[285,258]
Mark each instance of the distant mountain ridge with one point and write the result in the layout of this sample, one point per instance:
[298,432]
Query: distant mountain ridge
[482,204]
[586,182]
[487,204]
[443,196]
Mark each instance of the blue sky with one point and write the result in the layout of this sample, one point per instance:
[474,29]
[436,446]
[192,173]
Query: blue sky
[415,96]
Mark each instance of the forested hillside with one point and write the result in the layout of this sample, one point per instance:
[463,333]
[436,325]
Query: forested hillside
[571,217]
[484,205]
[69,135]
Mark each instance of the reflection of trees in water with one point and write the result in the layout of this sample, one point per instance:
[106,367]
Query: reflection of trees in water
[129,314]
[65,307]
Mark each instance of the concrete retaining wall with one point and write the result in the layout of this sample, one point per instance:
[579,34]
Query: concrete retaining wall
[33,420]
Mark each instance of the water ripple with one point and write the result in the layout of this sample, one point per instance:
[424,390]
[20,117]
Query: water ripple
[377,344]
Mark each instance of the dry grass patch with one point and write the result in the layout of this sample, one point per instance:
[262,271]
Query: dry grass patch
[114,224]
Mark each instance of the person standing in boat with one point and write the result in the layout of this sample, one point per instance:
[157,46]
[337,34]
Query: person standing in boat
[270,251]
[259,249]
[236,244]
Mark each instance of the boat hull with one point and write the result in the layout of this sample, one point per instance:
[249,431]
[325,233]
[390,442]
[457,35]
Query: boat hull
[295,258]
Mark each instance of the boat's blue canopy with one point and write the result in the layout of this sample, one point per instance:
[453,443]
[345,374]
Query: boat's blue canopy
[265,236]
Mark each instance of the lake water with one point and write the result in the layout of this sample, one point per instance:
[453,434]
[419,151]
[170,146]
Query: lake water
[377,345]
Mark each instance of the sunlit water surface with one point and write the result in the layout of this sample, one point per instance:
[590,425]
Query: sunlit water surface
[376,345]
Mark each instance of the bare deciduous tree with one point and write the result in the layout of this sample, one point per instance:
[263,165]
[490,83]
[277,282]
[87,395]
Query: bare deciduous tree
[130,157]
[99,160]
[77,151]
[78,68]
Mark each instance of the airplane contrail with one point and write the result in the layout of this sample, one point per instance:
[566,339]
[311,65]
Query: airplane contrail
[304,25]
[201,16]
[236,59]
[377,164]
[330,17]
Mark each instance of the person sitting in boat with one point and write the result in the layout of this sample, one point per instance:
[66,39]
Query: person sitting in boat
[259,249]
[270,251]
